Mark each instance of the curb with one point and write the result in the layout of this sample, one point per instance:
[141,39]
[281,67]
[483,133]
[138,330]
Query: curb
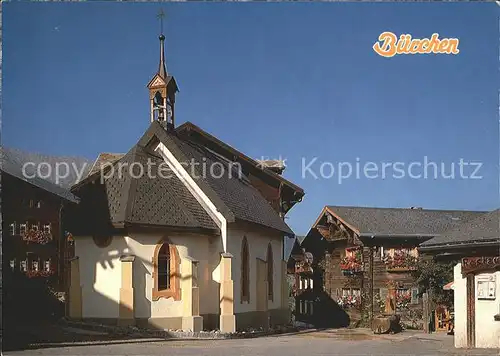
[181,335]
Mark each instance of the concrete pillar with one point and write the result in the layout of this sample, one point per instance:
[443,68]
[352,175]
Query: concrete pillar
[75,290]
[227,319]
[126,311]
[190,296]
[261,301]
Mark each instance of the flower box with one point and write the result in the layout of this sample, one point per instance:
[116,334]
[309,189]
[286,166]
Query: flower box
[350,265]
[37,236]
[349,301]
[35,274]
[401,261]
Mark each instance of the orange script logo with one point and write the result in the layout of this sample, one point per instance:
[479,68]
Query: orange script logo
[389,45]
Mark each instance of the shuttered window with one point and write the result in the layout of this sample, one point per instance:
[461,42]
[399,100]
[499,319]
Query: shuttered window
[414,296]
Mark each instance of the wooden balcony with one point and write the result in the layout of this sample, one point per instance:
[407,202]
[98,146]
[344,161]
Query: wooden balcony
[400,269]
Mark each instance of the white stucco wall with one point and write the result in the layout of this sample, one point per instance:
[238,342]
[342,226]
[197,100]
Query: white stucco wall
[487,333]
[100,274]
[460,307]
[258,240]
[487,329]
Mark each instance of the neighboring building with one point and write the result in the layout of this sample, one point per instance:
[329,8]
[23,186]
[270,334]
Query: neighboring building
[182,245]
[300,267]
[475,246]
[33,236]
[365,256]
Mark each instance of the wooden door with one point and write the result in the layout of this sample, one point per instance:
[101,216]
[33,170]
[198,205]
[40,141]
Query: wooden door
[471,311]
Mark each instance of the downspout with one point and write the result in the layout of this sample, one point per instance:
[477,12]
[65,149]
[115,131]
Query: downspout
[371,281]
[60,250]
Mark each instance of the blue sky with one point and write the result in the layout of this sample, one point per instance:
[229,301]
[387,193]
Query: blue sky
[296,80]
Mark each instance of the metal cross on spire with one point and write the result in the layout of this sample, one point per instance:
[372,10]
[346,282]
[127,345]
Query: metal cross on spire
[160,16]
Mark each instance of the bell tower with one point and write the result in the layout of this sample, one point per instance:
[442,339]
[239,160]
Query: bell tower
[162,88]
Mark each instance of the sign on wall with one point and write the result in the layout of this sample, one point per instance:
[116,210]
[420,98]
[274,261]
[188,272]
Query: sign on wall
[486,286]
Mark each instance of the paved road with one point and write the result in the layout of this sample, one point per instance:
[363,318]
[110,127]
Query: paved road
[310,344]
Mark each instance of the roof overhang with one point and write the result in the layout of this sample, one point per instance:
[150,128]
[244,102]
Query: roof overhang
[368,236]
[188,126]
[449,286]
[463,245]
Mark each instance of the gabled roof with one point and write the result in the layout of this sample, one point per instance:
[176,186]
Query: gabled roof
[232,194]
[290,244]
[482,229]
[139,199]
[104,159]
[401,221]
[13,160]
[189,126]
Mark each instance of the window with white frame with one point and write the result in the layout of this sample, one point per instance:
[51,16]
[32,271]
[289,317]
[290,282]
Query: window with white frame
[24,266]
[13,264]
[34,227]
[46,265]
[12,229]
[23,228]
[354,292]
[35,266]
[46,228]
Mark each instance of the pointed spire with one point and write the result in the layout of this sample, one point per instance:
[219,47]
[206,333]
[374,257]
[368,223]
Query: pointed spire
[162,70]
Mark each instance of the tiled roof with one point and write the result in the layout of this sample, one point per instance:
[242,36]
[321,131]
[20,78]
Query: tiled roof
[167,202]
[103,160]
[162,200]
[13,160]
[484,228]
[233,194]
[189,126]
[402,221]
[290,243]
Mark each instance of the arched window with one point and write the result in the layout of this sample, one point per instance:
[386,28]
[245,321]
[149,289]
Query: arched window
[166,272]
[164,267]
[245,271]
[270,261]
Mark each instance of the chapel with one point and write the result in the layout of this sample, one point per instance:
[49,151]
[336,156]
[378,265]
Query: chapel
[181,232]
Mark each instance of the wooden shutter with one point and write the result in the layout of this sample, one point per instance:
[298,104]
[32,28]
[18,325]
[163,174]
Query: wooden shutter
[414,296]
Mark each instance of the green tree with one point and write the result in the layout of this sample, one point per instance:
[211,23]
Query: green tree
[430,276]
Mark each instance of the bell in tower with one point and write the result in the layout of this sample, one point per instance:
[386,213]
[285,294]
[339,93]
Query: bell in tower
[162,89]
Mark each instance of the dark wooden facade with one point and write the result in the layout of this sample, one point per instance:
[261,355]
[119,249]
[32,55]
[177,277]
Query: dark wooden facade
[368,278]
[364,275]
[33,238]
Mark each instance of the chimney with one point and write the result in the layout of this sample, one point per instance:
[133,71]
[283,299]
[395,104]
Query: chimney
[275,165]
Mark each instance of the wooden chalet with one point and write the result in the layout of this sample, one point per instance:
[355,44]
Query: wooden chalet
[34,239]
[364,258]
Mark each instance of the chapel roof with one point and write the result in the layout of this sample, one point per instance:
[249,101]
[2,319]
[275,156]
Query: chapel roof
[167,202]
